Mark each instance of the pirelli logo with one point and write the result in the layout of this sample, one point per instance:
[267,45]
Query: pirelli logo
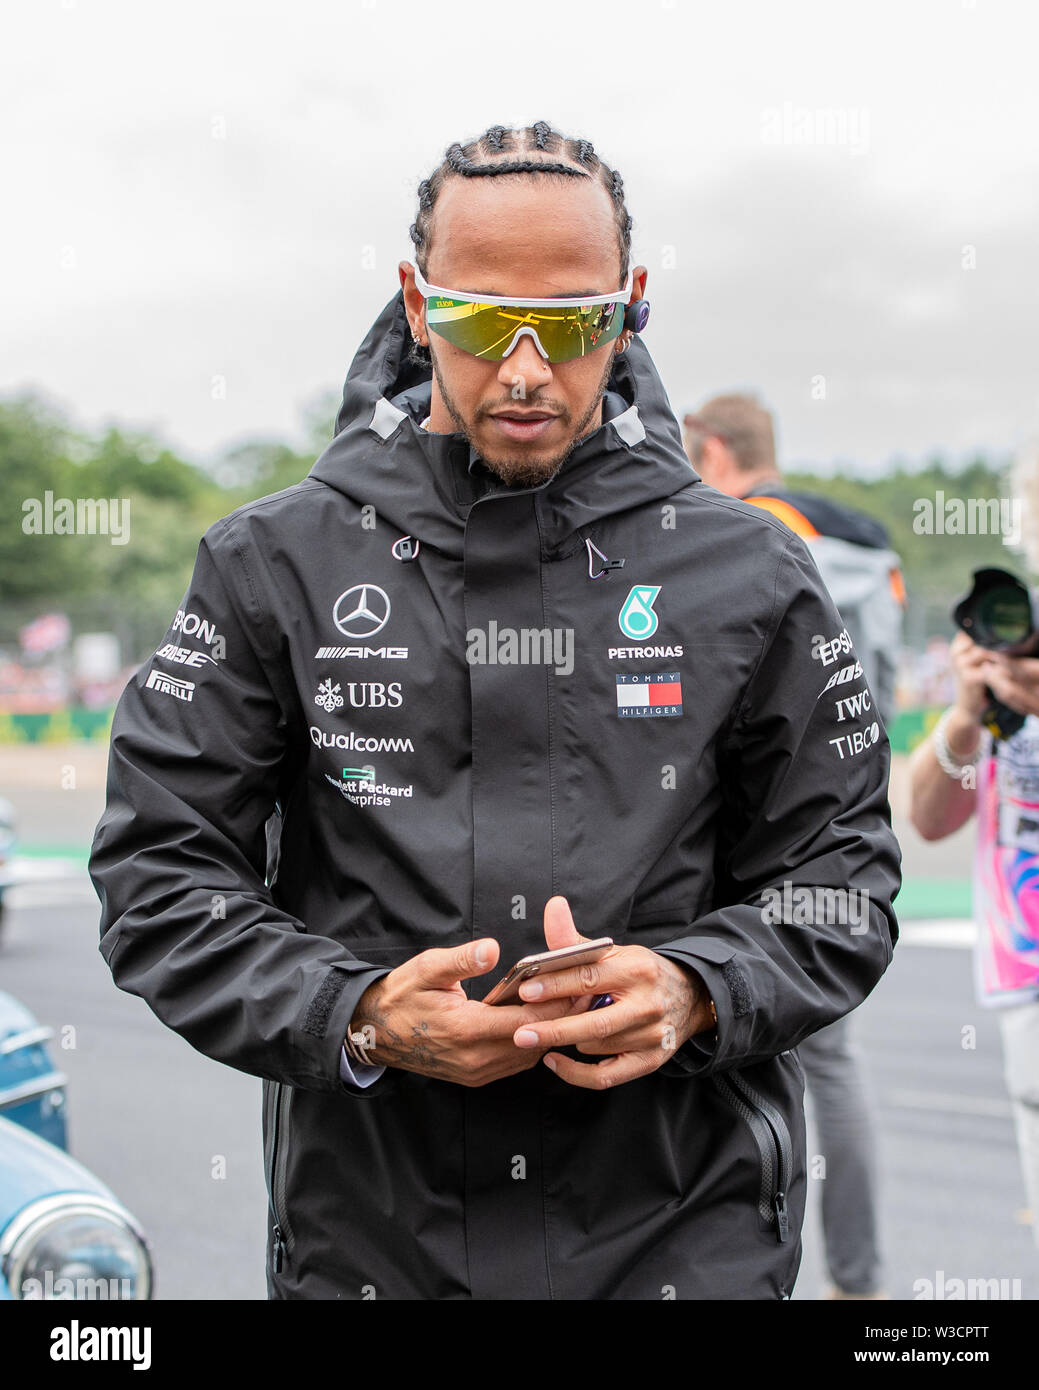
[171,685]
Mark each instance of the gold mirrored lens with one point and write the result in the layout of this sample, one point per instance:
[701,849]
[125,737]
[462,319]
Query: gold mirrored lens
[489,330]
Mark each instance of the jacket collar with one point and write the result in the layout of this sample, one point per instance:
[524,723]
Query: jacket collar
[426,483]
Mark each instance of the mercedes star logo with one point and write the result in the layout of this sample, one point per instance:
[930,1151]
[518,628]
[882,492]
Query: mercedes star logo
[362,611]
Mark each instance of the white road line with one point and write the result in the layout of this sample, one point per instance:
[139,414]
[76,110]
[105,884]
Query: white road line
[59,893]
[40,882]
[951,1103]
[30,870]
[960,933]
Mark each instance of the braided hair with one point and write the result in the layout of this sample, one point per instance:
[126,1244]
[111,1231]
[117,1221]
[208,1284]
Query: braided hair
[483,158]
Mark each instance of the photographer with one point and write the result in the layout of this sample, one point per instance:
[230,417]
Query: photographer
[961,768]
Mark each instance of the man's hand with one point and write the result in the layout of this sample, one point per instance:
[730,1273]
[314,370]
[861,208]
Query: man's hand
[418,1018]
[657,1006]
[1014,680]
[971,668]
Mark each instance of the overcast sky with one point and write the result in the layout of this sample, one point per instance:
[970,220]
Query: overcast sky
[223,190]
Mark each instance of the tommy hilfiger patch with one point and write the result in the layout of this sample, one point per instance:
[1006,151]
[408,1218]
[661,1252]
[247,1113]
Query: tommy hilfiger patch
[649,697]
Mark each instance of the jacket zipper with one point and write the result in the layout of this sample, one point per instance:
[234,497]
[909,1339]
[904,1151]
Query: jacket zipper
[282,1230]
[770,1134]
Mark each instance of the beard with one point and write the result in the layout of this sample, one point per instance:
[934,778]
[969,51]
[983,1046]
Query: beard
[519,468]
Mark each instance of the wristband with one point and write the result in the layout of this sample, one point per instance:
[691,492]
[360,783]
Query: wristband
[359,1044]
[711,1027]
[943,753]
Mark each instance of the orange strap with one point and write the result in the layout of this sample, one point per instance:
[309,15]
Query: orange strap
[788,515]
[801,526]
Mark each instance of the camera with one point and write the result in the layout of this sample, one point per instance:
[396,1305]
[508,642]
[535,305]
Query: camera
[997,614]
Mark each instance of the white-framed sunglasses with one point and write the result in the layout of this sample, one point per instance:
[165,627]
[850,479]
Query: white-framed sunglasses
[490,326]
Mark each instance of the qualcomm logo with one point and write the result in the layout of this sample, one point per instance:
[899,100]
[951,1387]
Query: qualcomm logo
[362,611]
[637,619]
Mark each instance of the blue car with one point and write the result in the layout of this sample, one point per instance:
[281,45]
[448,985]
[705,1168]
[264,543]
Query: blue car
[63,1234]
[7,843]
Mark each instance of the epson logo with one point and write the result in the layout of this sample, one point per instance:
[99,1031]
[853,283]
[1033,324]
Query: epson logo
[192,624]
[827,651]
[362,653]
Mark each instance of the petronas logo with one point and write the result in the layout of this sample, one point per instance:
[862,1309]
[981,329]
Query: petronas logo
[637,619]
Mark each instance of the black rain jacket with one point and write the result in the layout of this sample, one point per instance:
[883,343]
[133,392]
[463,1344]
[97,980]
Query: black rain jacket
[683,771]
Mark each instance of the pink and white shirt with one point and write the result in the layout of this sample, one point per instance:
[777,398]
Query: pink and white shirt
[1006,869]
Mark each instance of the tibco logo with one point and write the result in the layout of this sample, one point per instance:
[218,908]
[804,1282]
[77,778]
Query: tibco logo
[855,742]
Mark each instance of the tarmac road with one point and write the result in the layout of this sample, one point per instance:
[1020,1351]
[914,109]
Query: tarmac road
[177,1136]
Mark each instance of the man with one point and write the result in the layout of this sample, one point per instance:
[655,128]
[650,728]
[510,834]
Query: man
[514,680]
[731,442]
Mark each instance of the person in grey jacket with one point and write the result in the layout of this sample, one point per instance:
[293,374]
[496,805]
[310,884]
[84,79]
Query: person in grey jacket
[502,674]
[731,442]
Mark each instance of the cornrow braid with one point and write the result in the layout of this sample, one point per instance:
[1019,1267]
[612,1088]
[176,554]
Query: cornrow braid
[482,158]
[461,165]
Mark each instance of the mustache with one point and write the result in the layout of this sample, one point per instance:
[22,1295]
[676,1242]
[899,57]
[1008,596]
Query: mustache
[523,404]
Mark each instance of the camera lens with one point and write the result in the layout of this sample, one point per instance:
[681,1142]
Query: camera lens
[1003,617]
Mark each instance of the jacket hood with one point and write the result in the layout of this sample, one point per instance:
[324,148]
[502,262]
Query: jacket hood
[426,483]
[829,518]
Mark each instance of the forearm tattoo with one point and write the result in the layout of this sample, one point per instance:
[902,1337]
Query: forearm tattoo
[419,1052]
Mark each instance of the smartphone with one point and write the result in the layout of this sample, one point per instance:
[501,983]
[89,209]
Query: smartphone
[506,991]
